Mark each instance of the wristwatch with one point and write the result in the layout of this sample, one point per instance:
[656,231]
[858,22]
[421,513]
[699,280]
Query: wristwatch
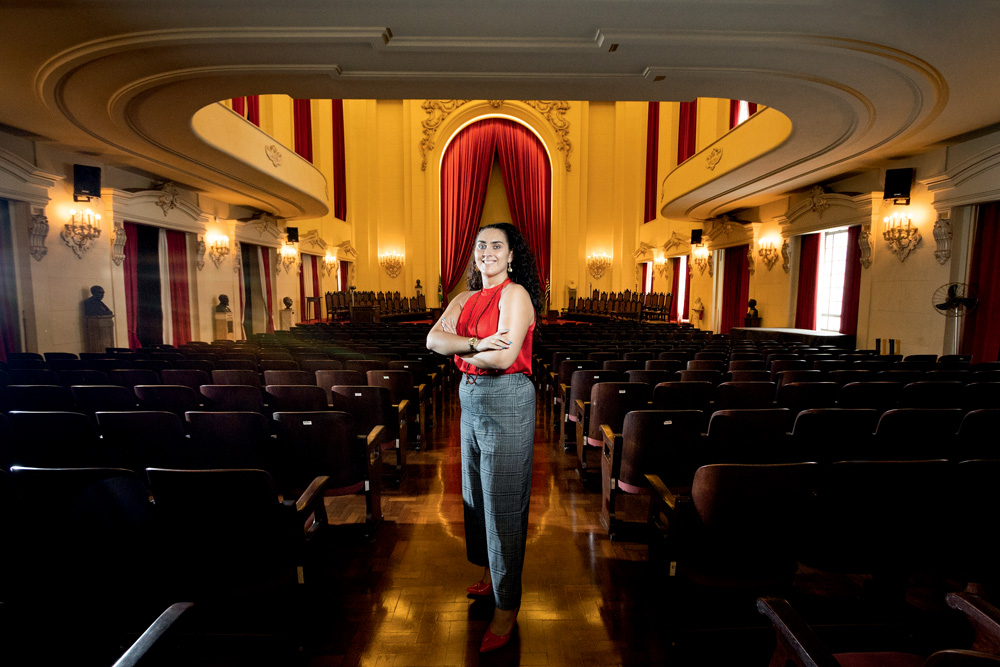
[473,342]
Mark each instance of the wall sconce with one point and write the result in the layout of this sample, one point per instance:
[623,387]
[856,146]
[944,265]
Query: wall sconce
[660,264]
[330,264]
[768,254]
[700,258]
[598,263]
[288,254]
[899,232]
[391,263]
[83,228]
[218,248]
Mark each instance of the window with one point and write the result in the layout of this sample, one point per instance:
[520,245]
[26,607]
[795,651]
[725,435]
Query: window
[832,266]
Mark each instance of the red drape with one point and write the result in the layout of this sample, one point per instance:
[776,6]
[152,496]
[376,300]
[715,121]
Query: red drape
[686,312]
[805,304]
[735,288]
[315,267]
[240,105]
[303,310]
[645,278]
[302,120]
[652,158]
[852,284]
[981,337]
[527,178]
[265,260]
[253,109]
[465,175]
[734,112]
[344,276]
[180,299]
[675,284]
[687,131]
[131,269]
[8,287]
[339,162]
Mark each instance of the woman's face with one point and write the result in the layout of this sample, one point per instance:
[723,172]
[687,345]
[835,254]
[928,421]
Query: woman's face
[492,253]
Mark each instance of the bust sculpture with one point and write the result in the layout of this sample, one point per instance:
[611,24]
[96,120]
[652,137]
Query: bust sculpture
[223,306]
[752,308]
[288,302]
[94,306]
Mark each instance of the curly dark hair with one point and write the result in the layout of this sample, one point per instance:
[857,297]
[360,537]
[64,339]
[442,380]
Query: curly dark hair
[524,271]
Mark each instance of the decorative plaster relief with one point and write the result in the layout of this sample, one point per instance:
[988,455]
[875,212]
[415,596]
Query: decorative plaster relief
[168,197]
[118,243]
[713,158]
[553,111]
[38,230]
[786,258]
[942,237]
[865,245]
[273,154]
[200,253]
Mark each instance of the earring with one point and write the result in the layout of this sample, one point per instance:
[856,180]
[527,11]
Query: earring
[509,270]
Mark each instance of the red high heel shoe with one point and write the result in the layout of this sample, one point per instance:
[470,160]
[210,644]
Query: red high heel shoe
[492,642]
[481,589]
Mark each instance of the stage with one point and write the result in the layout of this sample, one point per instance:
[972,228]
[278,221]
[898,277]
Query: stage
[783,335]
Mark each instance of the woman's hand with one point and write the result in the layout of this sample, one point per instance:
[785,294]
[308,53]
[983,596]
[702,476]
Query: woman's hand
[448,325]
[498,341]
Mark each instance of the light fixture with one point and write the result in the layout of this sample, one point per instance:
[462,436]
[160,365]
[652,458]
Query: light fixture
[330,264]
[699,257]
[598,263]
[899,232]
[218,248]
[83,228]
[661,266]
[391,263]
[768,253]
[289,256]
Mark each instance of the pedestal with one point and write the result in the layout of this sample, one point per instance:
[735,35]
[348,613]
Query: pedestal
[99,331]
[224,326]
[751,321]
[285,320]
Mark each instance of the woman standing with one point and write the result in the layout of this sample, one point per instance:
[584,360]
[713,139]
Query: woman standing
[488,329]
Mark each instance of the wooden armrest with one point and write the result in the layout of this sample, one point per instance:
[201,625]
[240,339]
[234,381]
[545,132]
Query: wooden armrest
[403,406]
[796,640]
[612,442]
[422,390]
[661,492]
[373,439]
[153,634]
[312,494]
[984,618]
[960,658]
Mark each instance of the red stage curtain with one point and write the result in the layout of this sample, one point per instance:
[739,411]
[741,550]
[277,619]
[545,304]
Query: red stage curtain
[303,310]
[652,158]
[8,287]
[339,162]
[686,311]
[302,119]
[131,269]
[735,288]
[253,109]
[265,261]
[180,299]
[240,105]
[465,175]
[645,277]
[687,131]
[527,178]
[852,284]
[675,284]
[981,337]
[805,305]
[345,268]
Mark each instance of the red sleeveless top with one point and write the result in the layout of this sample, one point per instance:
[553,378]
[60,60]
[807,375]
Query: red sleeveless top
[480,317]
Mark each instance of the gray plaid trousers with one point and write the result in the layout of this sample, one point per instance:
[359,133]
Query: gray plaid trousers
[498,428]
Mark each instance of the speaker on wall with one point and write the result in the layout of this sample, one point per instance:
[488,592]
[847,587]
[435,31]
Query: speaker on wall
[86,182]
[293,234]
[897,185]
[695,236]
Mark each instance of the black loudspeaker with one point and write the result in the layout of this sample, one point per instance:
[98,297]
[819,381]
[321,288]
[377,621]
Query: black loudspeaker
[897,185]
[293,234]
[695,236]
[86,182]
